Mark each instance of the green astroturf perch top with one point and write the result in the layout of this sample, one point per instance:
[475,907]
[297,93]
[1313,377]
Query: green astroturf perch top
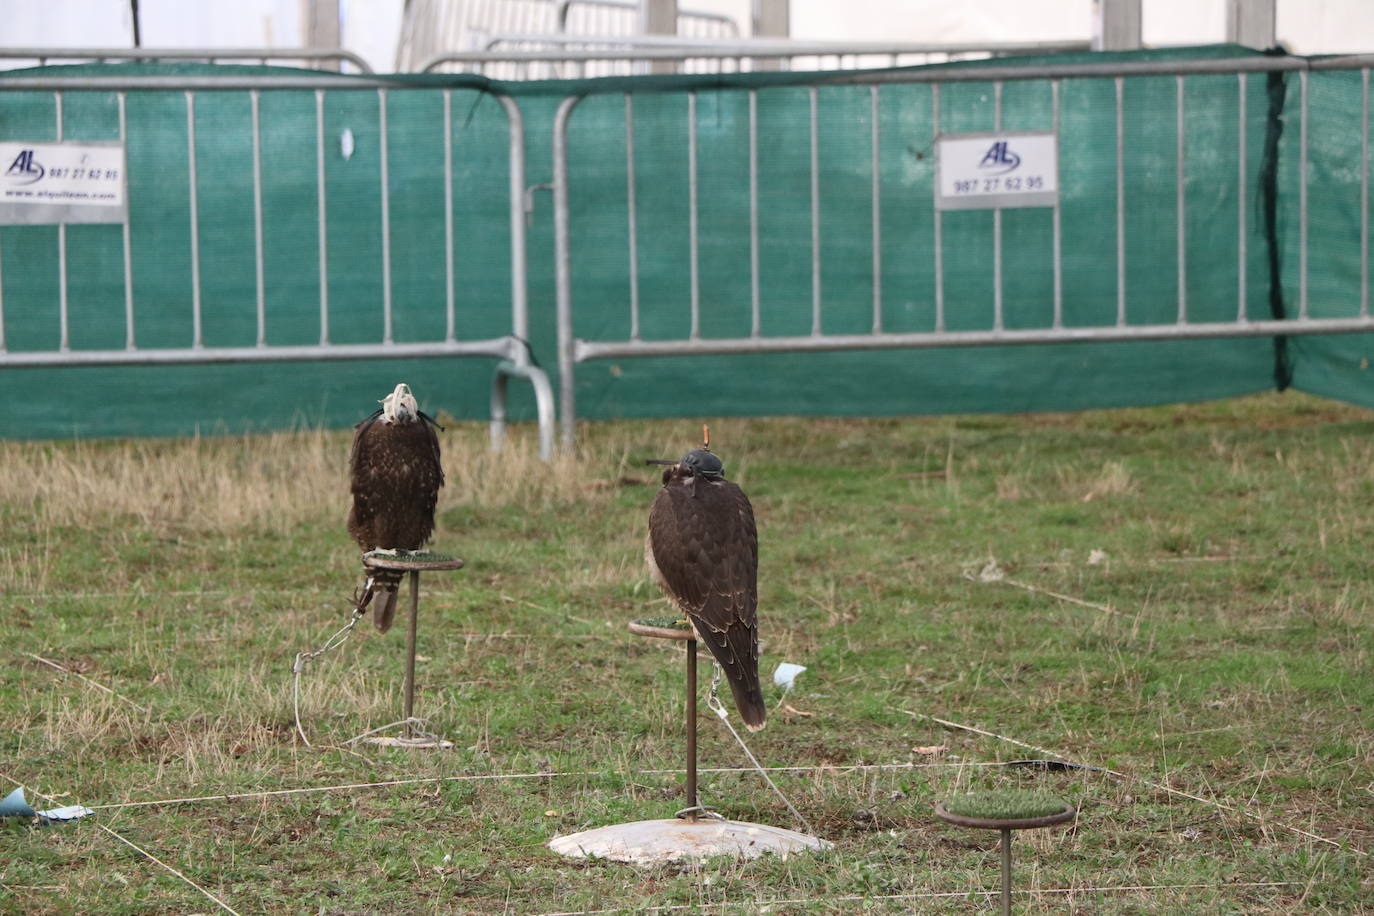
[1005,804]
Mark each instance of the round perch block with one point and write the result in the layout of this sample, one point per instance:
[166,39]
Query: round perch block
[647,842]
[1005,810]
[410,560]
[663,628]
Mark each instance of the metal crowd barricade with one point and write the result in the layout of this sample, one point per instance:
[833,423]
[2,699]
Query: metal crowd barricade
[433,26]
[538,56]
[512,349]
[621,17]
[44,56]
[574,349]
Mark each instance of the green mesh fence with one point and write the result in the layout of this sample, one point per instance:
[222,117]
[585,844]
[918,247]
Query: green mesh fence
[1335,284]
[144,400]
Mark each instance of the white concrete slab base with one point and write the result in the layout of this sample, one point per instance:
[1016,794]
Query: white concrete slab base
[647,842]
[422,744]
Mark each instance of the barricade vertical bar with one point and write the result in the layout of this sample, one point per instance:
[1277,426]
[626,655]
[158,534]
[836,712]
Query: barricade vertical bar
[322,214]
[1179,203]
[253,101]
[1364,193]
[1120,207]
[196,341]
[877,216]
[520,318]
[563,274]
[64,331]
[997,322]
[815,220]
[939,241]
[1055,217]
[449,318]
[754,325]
[1240,203]
[1302,197]
[130,341]
[633,214]
[693,267]
[386,218]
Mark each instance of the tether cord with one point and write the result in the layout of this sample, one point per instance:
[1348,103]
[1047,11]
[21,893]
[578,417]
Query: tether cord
[714,704]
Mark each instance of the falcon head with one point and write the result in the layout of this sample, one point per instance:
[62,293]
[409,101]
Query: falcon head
[400,406]
[699,462]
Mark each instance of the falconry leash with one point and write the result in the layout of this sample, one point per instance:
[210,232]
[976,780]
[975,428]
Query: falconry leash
[332,643]
[714,704]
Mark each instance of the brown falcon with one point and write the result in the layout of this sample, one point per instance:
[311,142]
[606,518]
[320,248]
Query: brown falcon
[703,549]
[396,476]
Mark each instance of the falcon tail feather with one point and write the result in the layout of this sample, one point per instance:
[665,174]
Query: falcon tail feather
[384,608]
[749,702]
[736,653]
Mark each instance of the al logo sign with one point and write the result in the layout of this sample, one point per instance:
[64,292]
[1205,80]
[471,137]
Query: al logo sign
[25,169]
[47,183]
[993,171]
[1000,158]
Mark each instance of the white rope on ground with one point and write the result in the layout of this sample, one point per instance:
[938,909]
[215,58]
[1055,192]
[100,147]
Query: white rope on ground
[993,573]
[333,642]
[713,703]
[1154,785]
[935,895]
[96,684]
[417,729]
[483,777]
[298,666]
[139,849]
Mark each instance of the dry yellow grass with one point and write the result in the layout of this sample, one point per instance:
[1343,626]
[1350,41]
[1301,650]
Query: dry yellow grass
[235,482]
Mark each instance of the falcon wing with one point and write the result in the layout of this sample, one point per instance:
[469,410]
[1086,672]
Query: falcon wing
[362,513]
[705,545]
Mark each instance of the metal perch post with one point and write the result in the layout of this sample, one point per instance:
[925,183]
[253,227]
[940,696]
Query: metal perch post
[693,805]
[695,832]
[414,564]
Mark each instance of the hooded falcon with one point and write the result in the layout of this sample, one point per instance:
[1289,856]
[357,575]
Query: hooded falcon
[396,476]
[703,549]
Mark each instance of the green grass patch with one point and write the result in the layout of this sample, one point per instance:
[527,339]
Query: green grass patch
[1181,594]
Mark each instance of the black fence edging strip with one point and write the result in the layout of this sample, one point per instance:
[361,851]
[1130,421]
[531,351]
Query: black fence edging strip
[1277,85]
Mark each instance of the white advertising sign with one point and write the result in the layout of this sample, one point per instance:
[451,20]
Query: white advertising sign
[62,182]
[993,170]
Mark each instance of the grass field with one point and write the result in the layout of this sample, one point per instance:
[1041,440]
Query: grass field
[1181,595]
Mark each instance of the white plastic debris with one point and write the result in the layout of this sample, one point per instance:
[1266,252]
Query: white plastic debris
[1096,556]
[69,813]
[15,805]
[786,673]
[346,144]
